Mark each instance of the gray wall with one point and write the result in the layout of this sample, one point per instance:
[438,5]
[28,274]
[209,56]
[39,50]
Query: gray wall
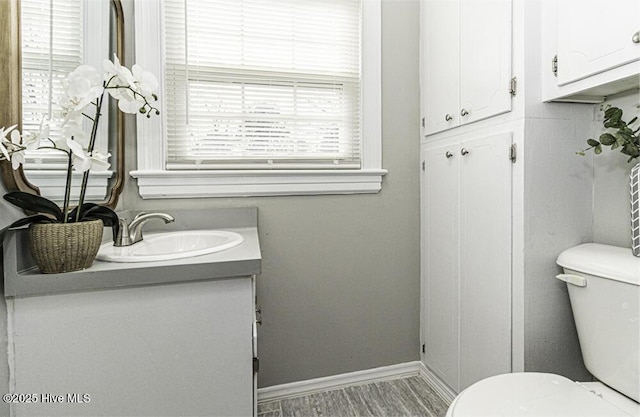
[558,196]
[611,209]
[340,284]
[569,200]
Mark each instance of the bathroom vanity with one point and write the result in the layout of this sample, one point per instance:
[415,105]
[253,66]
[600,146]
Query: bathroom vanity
[163,338]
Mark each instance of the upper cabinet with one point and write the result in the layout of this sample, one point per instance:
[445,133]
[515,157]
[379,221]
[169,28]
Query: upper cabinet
[465,61]
[593,47]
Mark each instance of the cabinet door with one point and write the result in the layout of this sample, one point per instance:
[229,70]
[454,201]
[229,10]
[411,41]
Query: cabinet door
[485,258]
[485,59]
[440,263]
[440,55]
[595,35]
[161,350]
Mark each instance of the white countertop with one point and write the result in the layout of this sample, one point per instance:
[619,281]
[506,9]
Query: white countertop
[22,279]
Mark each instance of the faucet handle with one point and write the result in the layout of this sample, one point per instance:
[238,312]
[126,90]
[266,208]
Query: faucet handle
[122,238]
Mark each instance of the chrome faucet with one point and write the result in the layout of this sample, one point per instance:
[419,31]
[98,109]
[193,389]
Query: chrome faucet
[131,233]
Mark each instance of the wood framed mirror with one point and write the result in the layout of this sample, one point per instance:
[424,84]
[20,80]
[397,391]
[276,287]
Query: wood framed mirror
[11,97]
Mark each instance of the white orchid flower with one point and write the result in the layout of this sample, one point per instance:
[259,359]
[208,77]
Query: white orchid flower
[128,102]
[17,158]
[69,112]
[83,86]
[5,144]
[4,132]
[81,160]
[130,106]
[132,88]
[76,132]
[116,74]
[13,149]
[28,143]
[99,161]
[32,141]
[43,133]
[146,82]
[123,87]
[4,151]
[83,80]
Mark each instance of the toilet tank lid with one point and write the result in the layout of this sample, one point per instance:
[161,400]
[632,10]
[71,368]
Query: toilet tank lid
[605,261]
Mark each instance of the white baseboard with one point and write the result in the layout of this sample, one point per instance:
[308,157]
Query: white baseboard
[310,386]
[446,393]
[384,373]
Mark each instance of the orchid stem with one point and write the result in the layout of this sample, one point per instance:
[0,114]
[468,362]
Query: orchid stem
[67,188]
[92,141]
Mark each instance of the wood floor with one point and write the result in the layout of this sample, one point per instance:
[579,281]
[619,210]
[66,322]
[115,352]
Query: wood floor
[399,397]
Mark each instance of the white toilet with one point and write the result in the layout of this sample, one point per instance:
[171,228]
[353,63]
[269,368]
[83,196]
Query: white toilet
[604,289]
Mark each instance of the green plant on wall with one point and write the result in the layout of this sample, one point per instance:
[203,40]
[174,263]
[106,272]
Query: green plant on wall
[620,136]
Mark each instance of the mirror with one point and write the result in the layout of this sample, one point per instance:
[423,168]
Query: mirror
[11,98]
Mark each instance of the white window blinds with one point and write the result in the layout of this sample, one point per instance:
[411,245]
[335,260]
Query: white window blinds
[254,84]
[52,46]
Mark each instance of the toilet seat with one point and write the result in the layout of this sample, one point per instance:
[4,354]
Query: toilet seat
[531,394]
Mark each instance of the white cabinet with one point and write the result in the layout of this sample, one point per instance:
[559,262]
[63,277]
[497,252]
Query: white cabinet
[465,61]
[440,265]
[466,221]
[162,350]
[596,35]
[596,45]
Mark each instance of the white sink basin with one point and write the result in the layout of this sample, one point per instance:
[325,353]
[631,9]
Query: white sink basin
[171,245]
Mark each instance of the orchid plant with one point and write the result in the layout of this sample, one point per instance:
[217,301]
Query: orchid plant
[85,91]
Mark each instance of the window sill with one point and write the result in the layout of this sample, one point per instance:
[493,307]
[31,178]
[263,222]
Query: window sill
[198,184]
[51,184]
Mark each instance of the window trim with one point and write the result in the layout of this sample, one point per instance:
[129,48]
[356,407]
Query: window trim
[154,181]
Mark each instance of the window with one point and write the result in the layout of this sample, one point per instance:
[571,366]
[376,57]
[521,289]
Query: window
[261,97]
[54,43]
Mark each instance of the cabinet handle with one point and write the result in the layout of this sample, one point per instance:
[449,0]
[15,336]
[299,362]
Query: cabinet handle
[448,117]
[464,112]
[464,151]
[448,155]
[636,37]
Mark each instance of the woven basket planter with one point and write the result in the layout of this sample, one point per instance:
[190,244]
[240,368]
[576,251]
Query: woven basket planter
[65,247]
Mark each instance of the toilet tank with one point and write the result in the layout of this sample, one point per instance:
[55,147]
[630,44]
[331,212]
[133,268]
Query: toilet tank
[604,289]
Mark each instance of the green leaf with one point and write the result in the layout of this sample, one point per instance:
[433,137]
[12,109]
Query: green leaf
[91,211]
[34,203]
[625,138]
[609,112]
[624,134]
[607,139]
[36,218]
[615,124]
[631,150]
[616,114]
